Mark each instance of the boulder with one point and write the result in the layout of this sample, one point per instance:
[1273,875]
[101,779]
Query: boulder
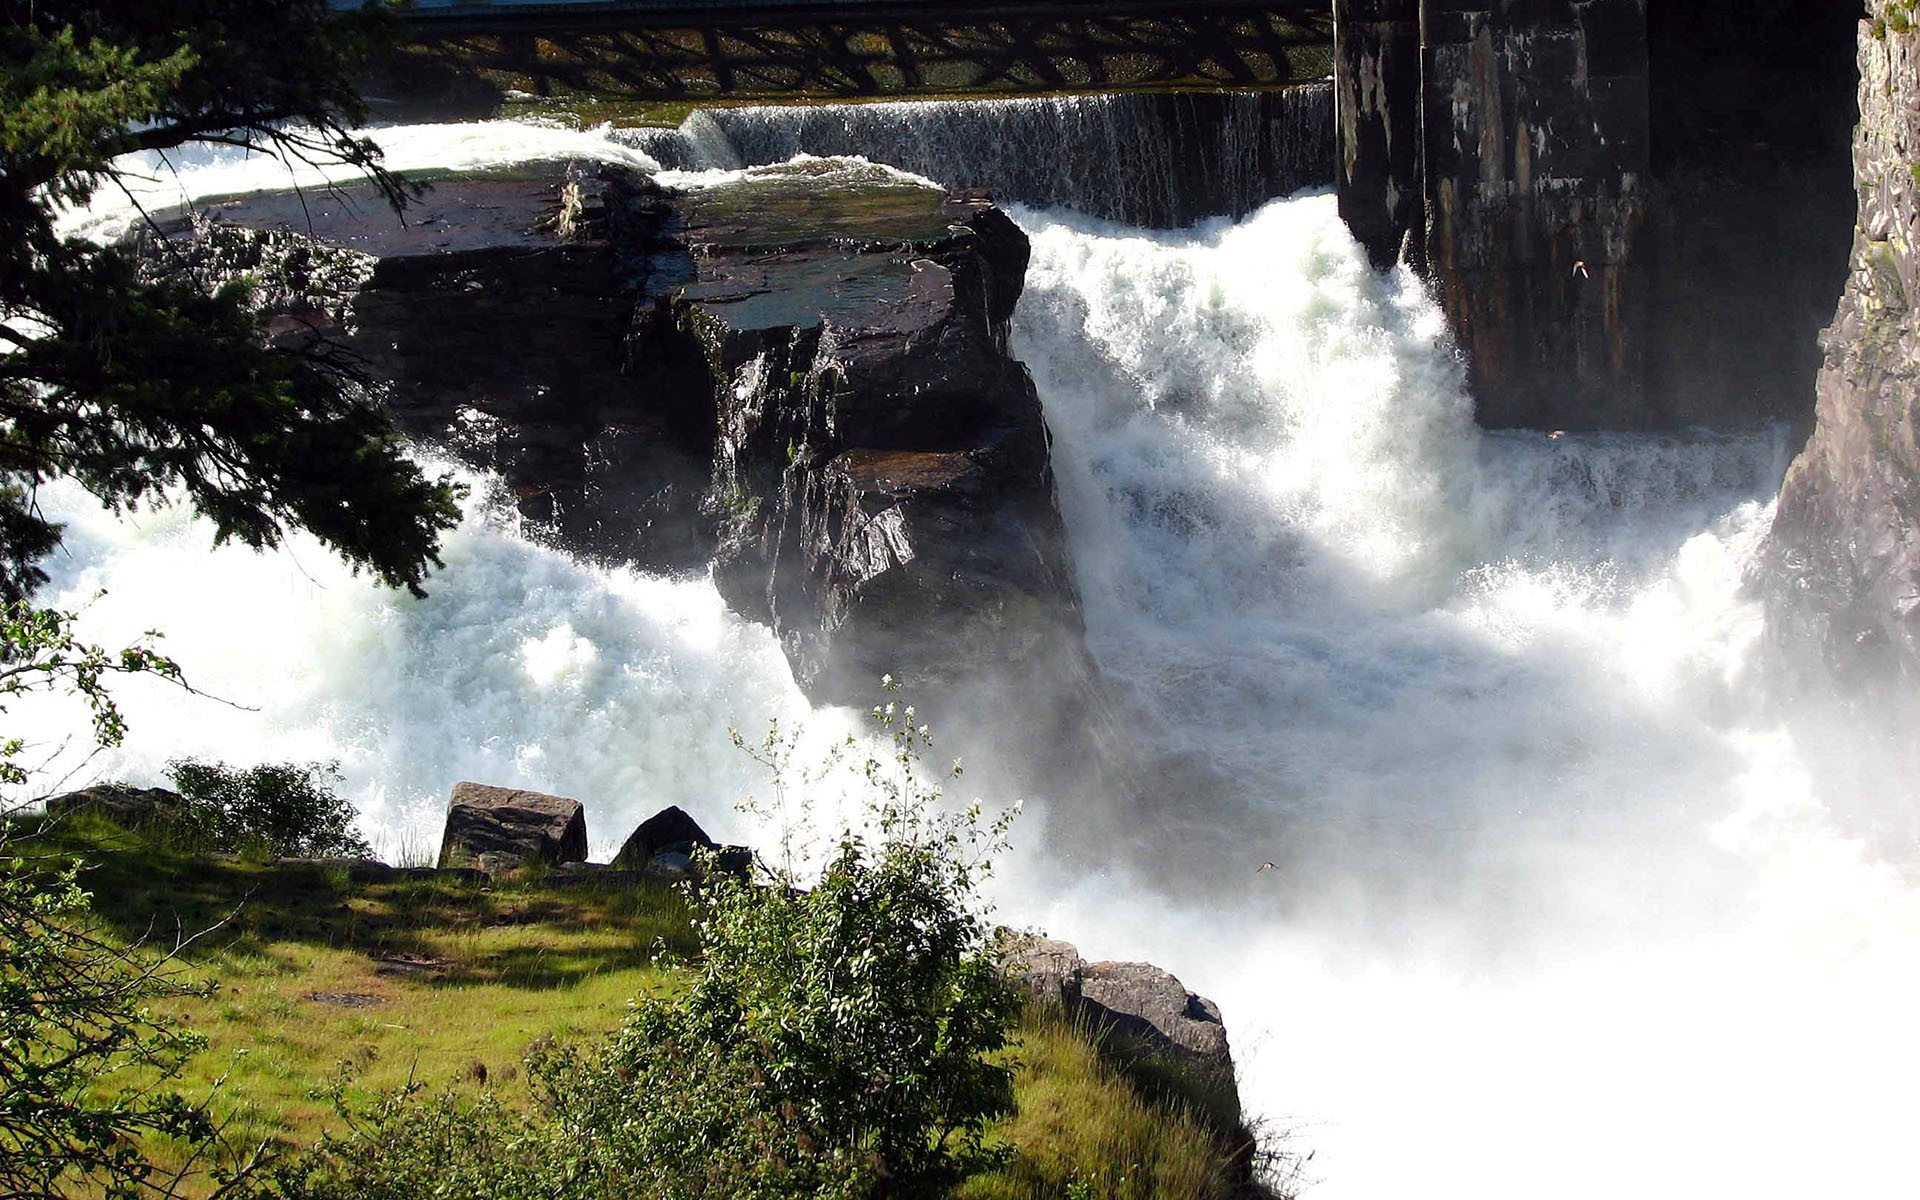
[1155,1008]
[122,804]
[670,828]
[497,828]
[1149,1005]
[882,463]
[1046,969]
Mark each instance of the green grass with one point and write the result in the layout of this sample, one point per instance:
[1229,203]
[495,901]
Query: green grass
[1085,1129]
[444,983]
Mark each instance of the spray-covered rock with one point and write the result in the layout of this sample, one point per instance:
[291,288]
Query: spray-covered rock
[1841,571]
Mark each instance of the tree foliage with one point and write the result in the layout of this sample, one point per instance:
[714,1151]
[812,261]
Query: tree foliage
[85,1060]
[40,652]
[136,382]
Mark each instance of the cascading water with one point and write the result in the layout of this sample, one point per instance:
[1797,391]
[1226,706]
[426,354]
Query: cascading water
[1159,160]
[1554,913]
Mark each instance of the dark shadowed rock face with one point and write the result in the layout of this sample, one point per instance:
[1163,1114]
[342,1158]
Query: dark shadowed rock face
[504,317]
[1622,235]
[1841,570]
[496,828]
[882,468]
[670,826]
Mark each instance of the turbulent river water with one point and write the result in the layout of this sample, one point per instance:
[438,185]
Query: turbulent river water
[1559,908]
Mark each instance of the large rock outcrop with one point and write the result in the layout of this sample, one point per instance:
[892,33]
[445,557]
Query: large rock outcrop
[800,374]
[1841,569]
[1621,236]
[499,313]
[882,461]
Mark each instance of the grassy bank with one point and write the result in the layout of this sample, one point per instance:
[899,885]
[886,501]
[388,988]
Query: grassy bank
[324,976]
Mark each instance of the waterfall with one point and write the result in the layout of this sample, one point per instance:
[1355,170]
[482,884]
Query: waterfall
[1148,159]
[1558,909]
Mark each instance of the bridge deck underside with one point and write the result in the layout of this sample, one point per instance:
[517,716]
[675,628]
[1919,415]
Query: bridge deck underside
[876,50]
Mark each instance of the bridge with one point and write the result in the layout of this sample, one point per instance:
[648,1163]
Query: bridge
[753,50]
[1534,158]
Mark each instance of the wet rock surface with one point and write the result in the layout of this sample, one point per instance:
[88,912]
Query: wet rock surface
[882,461]
[500,314]
[1841,569]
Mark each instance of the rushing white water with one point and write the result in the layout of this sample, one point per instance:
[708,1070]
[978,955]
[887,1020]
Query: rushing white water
[1556,912]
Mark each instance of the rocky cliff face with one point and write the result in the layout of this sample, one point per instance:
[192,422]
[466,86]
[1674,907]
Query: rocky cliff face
[1624,234]
[1841,570]
[799,375]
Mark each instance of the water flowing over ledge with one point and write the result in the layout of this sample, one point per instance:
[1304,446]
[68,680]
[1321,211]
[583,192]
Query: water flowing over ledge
[1151,159]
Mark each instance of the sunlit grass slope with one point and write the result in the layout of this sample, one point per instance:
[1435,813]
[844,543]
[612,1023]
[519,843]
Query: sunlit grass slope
[324,977]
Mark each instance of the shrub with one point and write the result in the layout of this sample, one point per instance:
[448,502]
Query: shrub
[407,1144]
[832,1041]
[275,808]
[84,1060]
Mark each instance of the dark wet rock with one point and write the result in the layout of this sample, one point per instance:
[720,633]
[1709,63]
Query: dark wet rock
[500,829]
[1620,236]
[800,377]
[123,804]
[882,468]
[670,827]
[1840,572]
[502,314]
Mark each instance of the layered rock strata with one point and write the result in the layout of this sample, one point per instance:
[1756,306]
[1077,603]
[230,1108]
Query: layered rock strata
[1841,569]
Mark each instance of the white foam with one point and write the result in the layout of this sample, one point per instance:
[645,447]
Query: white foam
[1557,913]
